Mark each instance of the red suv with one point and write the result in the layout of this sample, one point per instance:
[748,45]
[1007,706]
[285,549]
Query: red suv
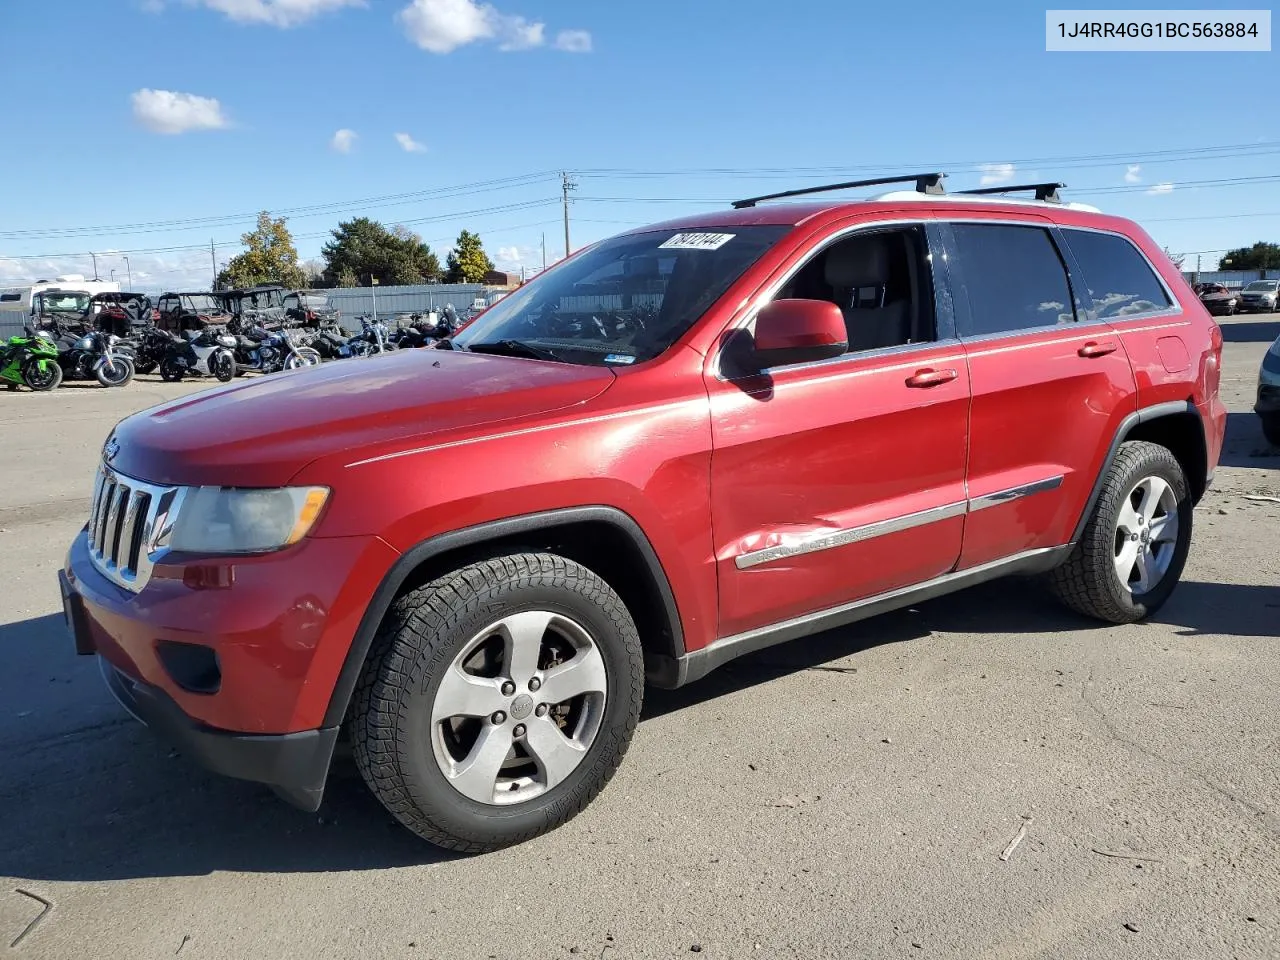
[681,445]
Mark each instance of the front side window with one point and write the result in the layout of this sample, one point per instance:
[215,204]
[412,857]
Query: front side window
[1012,278]
[624,301]
[1121,282]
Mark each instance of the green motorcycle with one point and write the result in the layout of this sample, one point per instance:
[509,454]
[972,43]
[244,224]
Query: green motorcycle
[32,360]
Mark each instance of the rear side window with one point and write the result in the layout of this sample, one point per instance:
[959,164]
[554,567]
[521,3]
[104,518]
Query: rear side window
[1120,280]
[1012,277]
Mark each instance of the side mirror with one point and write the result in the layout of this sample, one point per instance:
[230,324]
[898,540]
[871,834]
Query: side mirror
[799,331]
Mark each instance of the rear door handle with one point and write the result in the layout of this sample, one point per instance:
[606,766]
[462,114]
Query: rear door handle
[931,378]
[1095,349]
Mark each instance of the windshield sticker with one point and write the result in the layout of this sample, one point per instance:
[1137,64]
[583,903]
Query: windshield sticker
[623,358]
[697,241]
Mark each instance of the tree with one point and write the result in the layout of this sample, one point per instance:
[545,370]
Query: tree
[269,257]
[1176,258]
[364,248]
[1261,256]
[468,263]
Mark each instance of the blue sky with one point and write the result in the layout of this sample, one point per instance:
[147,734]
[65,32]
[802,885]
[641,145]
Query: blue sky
[128,112]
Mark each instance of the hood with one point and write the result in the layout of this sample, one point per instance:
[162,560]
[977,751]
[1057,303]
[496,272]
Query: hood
[263,431]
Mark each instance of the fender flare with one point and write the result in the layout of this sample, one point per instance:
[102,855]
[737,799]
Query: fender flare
[1143,415]
[414,557]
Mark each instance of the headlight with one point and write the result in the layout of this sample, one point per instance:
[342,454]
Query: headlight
[233,520]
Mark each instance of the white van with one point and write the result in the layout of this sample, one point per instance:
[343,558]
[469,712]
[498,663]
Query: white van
[17,300]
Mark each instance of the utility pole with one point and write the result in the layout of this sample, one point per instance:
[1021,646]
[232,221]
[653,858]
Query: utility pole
[373,292]
[1197,268]
[213,259]
[566,184]
[95,256]
[129,270]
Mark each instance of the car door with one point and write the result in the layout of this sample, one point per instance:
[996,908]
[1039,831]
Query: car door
[1048,389]
[842,479]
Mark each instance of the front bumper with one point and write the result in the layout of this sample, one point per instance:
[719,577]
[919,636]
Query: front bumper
[294,765]
[1255,306]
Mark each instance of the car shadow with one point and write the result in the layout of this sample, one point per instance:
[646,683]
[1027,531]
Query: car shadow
[90,795]
[1249,331]
[1245,446]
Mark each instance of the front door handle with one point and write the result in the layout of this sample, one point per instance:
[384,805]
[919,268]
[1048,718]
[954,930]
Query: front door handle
[1095,349]
[931,378]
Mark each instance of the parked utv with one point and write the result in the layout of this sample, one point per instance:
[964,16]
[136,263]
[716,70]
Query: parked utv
[261,306]
[310,308]
[179,312]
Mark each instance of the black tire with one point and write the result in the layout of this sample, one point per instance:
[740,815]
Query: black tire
[416,645]
[42,381]
[223,367]
[170,372]
[1271,427]
[123,368]
[1088,581]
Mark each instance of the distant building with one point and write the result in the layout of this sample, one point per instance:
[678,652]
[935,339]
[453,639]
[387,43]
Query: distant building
[496,278]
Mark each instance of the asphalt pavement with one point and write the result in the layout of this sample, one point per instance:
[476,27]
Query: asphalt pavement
[984,776]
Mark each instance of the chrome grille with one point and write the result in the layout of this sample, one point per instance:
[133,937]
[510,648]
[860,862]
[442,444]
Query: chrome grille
[128,521]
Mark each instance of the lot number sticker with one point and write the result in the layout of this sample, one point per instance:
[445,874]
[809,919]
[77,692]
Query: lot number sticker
[698,241]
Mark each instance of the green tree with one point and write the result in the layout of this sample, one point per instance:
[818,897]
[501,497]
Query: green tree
[269,257]
[1261,256]
[362,248]
[468,263]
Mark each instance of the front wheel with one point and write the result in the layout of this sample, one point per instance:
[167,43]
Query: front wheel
[41,375]
[1135,542]
[116,372]
[302,357]
[498,700]
[171,371]
[223,366]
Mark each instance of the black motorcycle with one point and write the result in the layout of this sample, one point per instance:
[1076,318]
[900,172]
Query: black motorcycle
[372,339]
[92,355]
[150,345]
[330,341]
[269,351]
[420,332]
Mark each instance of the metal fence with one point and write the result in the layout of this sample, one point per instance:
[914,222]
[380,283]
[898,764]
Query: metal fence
[1232,279]
[355,301]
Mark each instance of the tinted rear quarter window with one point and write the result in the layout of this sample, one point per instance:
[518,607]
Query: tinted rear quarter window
[1120,281]
[1012,278]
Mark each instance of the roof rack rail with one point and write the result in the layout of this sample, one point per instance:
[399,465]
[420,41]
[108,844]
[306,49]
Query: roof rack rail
[1047,192]
[925,183]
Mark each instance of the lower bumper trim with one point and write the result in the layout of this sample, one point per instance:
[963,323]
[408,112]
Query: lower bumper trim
[295,765]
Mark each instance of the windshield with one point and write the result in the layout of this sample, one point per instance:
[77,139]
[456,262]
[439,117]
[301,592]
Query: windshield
[76,303]
[626,300]
[201,303]
[1266,286]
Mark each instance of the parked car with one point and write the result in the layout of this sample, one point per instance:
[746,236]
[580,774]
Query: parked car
[469,559]
[1218,299]
[1260,296]
[310,308]
[1268,405]
[179,312]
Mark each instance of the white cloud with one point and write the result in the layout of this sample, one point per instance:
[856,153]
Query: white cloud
[1133,173]
[1161,188]
[996,173]
[164,111]
[442,26]
[573,41]
[343,140]
[277,13]
[188,270]
[410,145]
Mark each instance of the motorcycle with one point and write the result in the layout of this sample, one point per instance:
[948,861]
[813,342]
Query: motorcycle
[420,332]
[93,355]
[372,339]
[30,360]
[330,341]
[200,353]
[149,347]
[268,352]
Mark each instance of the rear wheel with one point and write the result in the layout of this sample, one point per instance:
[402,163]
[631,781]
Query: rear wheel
[498,700]
[1135,543]
[170,371]
[41,379]
[116,373]
[1271,428]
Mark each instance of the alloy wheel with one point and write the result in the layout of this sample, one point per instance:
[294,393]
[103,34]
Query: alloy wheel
[519,707]
[1146,535]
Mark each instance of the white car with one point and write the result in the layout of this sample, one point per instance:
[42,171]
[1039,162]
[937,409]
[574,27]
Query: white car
[1259,296]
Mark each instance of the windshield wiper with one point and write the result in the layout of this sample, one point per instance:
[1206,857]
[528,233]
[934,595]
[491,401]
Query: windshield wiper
[515,348]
